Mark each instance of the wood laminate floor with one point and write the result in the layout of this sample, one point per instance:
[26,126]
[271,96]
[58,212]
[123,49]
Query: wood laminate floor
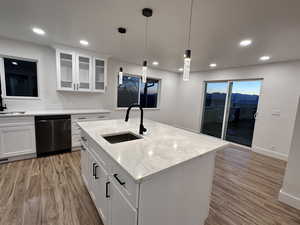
[49,191]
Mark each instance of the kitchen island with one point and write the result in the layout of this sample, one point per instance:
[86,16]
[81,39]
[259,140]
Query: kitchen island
[163,177]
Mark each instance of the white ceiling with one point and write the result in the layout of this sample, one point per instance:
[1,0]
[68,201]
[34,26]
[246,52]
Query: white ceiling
[217,28]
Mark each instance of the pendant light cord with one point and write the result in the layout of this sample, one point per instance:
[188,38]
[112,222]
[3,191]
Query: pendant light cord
[146,38]
[190,24]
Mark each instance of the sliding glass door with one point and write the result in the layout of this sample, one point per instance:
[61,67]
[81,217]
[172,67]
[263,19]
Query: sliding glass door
[213,114]
[233,117]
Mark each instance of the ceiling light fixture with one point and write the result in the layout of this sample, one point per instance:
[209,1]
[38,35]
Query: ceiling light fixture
[155,63]
[146,12]
[265,58]
[246,42]
[180,69]
[38,31]
[122,32]
[14,63]
[84,42]
[212,65]
[188,52]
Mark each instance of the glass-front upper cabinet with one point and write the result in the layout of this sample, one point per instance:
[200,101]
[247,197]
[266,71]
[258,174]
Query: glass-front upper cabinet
[99,81]
[80,73]
[65,70]
[84,73]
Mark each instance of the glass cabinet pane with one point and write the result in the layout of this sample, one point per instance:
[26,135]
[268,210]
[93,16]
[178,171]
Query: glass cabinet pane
[84,72]
[66,70]
[99,74]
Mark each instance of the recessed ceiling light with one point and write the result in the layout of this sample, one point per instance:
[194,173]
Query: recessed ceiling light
[246,42]
[14,63]
[180,69]
[212,65]
[155,63]
[265,58]
[84,42]
[38,31]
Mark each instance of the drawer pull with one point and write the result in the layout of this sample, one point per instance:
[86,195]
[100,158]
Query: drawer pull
[96,177]
[106,190]
[117,178]
[82,118]
[101,117]
[94,170]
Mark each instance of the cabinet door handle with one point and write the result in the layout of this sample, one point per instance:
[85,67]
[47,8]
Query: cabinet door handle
[96,177]
[74,86]
[117,178]
[106,189]
[94,171]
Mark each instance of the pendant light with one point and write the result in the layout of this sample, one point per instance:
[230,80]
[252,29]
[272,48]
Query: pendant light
[147,12]
[188,52]
[122,31]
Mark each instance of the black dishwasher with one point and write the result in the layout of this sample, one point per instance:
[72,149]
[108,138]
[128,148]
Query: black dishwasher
[53,134]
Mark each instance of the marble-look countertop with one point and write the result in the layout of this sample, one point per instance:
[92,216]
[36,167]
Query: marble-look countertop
[160,148]
[54,112]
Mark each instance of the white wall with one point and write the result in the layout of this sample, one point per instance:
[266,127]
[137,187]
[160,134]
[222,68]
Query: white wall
[290,192]
[168,90]
[280,91]
[51,99]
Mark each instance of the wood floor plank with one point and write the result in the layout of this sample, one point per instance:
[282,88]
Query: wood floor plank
[50,191]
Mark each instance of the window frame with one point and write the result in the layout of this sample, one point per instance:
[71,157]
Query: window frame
[3,82]
[140,77]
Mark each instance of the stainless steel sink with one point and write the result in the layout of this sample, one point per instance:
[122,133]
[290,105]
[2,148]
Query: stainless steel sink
[12,113]
[121,137]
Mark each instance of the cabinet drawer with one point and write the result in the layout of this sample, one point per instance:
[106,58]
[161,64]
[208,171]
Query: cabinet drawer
[125,184]
[88,117]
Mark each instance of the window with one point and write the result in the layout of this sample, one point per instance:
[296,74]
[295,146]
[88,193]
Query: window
[134,91]
[20,78]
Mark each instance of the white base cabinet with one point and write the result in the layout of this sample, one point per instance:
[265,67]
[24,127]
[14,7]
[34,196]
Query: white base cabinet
[178,195]
[17,137]
[81,118]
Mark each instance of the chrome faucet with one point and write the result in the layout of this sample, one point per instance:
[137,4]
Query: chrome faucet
[142,128]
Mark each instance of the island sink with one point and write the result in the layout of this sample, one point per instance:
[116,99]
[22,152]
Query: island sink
[121,137]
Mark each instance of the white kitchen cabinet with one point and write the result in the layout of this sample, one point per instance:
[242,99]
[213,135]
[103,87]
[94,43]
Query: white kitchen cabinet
[81,118]
[80,73]
[99,78]
[66,70]
[97,182]
[121,210]
[100,187]
[84,73]
[179,195]
[17,137]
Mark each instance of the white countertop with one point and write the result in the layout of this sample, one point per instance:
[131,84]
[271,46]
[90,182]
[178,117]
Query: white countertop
[160,148]
[55,112]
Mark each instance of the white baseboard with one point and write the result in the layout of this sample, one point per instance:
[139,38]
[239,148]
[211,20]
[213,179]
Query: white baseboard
[270,153]
[289,199]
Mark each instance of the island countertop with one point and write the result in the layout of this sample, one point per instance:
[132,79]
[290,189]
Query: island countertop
[161,147]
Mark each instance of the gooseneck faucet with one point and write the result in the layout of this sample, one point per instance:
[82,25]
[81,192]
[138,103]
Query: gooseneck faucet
[142,128]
